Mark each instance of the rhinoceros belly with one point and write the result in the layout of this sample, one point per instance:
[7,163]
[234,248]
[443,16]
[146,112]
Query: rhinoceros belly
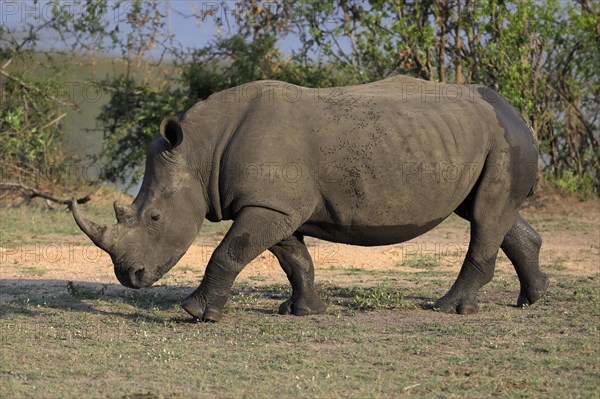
[366,235]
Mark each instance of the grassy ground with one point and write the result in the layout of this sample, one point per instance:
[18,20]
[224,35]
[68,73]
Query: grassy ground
[93,340]
[74,337]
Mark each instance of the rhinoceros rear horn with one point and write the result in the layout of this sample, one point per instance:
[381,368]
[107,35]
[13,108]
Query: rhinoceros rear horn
[171,131]
[100,234]
[123,213]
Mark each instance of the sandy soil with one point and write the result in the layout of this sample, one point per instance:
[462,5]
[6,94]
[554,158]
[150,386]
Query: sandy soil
[571,234]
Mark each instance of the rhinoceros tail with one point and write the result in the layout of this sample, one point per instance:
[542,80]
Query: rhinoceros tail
[534,186]
[535,143]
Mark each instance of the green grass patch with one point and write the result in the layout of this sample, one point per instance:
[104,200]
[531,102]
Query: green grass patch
[359,271]
[33,271]
[421,262]
[557,264]
[36,224]
[80,291]
[379,297]
[215,230]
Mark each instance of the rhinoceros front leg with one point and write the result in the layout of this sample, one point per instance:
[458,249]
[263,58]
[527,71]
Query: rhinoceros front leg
[295,260]
[254,231]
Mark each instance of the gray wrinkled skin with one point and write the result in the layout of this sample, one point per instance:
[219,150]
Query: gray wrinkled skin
[374,164]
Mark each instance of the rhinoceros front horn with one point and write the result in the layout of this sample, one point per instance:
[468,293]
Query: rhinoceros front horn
[100,234]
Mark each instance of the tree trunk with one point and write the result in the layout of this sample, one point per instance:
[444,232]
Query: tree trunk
[458,45]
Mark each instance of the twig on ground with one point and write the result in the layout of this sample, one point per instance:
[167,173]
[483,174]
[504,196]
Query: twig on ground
[411,386]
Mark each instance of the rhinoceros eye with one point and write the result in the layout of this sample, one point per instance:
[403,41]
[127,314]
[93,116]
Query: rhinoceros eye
[155,215]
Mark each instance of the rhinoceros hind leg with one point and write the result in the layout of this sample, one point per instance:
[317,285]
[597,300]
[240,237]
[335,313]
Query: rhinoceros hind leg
[491,210]
[295,260]
[522,246]
[462,297]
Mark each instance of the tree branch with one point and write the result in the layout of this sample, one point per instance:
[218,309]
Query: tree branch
[71,105]
[30,193]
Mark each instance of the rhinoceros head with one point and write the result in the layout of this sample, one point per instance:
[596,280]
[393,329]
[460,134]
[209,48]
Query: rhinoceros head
[154,232]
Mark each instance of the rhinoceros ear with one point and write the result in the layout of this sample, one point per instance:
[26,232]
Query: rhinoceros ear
[171,131]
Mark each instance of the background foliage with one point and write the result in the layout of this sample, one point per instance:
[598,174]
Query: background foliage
[543,56]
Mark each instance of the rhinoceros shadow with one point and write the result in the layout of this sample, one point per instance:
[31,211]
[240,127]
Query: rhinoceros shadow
[32,297]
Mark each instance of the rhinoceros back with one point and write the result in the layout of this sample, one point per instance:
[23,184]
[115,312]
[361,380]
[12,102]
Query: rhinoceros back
[376,155]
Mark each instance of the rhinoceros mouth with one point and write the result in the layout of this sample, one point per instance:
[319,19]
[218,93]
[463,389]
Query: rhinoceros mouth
[134,277]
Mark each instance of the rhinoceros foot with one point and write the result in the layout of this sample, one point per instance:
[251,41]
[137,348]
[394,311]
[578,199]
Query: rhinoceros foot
[456,303]
[533,292]
[196,306]
[303,306]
